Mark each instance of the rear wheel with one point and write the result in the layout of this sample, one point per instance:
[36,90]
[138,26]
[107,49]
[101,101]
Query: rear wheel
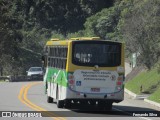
[60,103]
[49,99]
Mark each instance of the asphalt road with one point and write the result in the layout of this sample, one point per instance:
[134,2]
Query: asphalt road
[29,96]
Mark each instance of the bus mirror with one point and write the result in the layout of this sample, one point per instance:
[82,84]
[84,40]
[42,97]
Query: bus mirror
[43,58]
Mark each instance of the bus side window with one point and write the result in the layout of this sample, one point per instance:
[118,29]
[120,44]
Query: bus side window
[58,52]
[60,58]
[55,62]
[48,61]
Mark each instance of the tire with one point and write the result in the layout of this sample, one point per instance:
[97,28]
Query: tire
[49,99]
[60,103]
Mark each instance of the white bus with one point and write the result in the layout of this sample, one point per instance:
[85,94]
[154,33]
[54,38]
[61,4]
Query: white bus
[84,71]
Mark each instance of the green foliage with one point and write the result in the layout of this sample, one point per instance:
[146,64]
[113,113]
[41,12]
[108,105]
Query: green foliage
[59,15]
[141,29]
[155,96]
[106,22]
[25,25]
[76,34]
[10,36]
[57,35]
[149,80]
[134,22]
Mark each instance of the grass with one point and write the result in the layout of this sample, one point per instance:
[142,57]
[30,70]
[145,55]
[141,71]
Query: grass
[155,96]
[149,80]
[2,81]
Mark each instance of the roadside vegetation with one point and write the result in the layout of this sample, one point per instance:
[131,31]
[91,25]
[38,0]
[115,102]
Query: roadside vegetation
[26,25]
[146,82]
[155,96]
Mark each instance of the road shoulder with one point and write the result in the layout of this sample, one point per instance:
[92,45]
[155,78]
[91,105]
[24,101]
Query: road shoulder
[143,97]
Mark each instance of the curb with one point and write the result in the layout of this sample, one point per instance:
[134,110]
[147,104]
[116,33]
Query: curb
[152,102]
[145,100]
[130,93]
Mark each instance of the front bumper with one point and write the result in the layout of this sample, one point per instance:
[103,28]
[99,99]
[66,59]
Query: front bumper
[35,77]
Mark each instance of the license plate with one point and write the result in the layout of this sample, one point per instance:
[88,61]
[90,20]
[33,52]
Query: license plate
[35,76]
[95,89]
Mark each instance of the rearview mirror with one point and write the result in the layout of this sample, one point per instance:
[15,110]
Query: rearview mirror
[43,58]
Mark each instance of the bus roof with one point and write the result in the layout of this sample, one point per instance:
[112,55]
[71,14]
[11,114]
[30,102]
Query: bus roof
[56,41]
[86,38]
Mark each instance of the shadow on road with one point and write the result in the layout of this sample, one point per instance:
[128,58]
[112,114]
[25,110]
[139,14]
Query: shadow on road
[23,78]
[117,111]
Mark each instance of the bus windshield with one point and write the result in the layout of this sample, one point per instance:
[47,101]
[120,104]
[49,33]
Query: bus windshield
[106,54]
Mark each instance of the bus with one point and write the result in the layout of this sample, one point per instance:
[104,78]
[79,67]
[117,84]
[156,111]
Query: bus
[86,70]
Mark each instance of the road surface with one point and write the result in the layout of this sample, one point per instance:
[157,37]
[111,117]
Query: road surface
[20,97]
[29,96]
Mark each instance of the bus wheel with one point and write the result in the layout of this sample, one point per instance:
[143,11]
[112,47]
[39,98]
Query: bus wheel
[60,103]
[49,99]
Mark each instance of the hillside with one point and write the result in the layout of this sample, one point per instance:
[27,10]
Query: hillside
[29,24]
[146,82]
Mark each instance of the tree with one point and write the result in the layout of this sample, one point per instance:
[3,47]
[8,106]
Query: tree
[105,22]
[10,35]
[141,31]
[25,25]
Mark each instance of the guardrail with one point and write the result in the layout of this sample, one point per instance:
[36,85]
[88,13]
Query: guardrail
[5,77]
[16,78]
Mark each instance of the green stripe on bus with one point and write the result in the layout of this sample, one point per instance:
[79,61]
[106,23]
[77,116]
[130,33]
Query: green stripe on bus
[61,79]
